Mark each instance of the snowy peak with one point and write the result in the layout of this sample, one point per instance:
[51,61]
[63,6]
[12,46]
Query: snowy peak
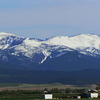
[7,39]
[59,51]
[87,44]
[79,41]
[3,34]
[32,42]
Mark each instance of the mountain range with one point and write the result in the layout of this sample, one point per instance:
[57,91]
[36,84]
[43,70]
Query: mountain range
[69,60]
[60,53]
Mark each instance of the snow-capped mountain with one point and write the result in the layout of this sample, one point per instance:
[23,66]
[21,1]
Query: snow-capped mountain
[29,51]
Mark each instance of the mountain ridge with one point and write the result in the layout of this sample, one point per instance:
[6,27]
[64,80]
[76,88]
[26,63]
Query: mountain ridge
[31,51]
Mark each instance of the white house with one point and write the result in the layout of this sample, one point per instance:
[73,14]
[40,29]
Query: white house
[47,96]
[90,94]
[93,95]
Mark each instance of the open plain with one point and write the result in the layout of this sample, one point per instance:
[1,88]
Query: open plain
[15,86]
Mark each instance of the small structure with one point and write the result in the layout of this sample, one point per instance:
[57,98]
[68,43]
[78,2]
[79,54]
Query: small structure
[90,94]
[93,95]
[77,97]
[47,96]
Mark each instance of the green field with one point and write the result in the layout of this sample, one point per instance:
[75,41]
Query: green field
[32,98]
[17,98]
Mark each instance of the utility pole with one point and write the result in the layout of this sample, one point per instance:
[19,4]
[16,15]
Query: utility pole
[39,90]
[17,87]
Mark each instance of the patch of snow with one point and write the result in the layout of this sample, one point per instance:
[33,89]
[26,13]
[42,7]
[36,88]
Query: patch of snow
[46,54]
[3,34]
[5,58]
[79,56]
[62,53]
[32,43]
[79,41]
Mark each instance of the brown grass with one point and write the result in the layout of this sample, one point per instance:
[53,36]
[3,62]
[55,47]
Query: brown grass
[48,86]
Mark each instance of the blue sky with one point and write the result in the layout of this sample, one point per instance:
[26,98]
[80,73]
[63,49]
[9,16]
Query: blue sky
[47,18]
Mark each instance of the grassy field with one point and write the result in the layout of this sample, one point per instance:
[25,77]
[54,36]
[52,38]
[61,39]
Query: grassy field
[17,98]
[15,86]
[31,98]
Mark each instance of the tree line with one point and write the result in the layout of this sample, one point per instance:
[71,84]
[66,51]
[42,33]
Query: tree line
[44,91]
